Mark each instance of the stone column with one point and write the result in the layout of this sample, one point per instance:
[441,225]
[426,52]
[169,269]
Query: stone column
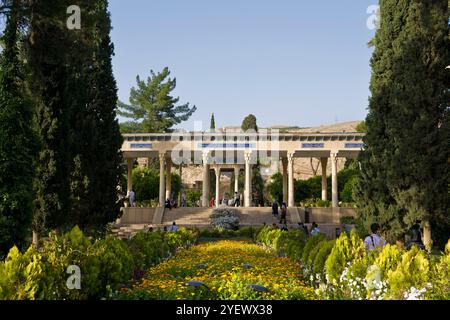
[324,162]
[291,201]
[205,195]
[236,179]
[162,187]
[427,241]
[217,170]
[334,180]
[284,164]
[248,180]
[181,180]
[168,178]
[129,174]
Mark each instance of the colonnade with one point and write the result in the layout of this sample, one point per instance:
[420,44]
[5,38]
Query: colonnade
[287,171]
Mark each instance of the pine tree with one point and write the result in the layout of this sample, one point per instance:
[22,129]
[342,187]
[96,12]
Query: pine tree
[405,170]
[17,141]
[249,123]
[153,106]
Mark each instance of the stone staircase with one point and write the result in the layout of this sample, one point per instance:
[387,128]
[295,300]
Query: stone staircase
[188,217]
[199,218]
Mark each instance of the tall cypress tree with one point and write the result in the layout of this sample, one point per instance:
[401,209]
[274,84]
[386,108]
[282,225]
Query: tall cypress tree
[51,50]
[405,171]
[17,141]
[212,125]
[100,156]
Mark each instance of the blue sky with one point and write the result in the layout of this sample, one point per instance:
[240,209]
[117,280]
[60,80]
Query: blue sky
[292,62]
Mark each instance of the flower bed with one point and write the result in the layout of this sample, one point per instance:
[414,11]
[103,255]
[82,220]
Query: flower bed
[227,269]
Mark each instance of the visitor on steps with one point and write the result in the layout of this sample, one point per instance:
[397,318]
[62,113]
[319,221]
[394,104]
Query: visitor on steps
[168,204]
[173,227]
[130,197]
[283,213]
[303,228]
[315,229]
[374,240]
[275,209]
[183,199]
[237,199]
[212,202]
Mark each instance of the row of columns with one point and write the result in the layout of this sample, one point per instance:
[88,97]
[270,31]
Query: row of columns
[206,179]
[288,179]
[287,173]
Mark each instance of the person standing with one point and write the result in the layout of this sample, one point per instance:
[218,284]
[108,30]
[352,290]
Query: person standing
[131,198]
[183,199]
[283,213]
[212,202]
[237,199]
[374,240]
[275,209]
[280,198]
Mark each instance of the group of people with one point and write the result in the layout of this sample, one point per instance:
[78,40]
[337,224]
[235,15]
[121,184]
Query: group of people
[235,201]
[275,211]
[172,228]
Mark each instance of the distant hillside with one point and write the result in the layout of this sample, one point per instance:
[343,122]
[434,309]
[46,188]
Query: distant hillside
[337,127]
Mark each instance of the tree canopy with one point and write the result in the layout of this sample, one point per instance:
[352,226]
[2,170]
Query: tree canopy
[152,106]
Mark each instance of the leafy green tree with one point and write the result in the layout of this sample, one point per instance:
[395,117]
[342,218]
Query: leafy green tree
[130,127]
[361,127]
[17,141]
[405,171]
[145,184]
[152,105]
[249,123]
[276,185]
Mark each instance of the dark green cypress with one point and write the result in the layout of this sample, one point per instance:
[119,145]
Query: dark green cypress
[51,51]
[101,157]
[405,171]
[17,141]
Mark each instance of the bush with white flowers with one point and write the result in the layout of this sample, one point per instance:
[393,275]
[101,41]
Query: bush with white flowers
[225,219]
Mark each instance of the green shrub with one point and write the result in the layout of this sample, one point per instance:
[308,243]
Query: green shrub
[116,264]
[346,249]
[147,248]
[411,271]
[192,196]
[440,279]
[388,259]
[310,245]
[318,266]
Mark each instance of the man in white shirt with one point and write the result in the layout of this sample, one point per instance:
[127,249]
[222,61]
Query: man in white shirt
[131,198]
[374,240]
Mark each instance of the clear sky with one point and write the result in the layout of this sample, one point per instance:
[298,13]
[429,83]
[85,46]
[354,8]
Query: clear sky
[292,62]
